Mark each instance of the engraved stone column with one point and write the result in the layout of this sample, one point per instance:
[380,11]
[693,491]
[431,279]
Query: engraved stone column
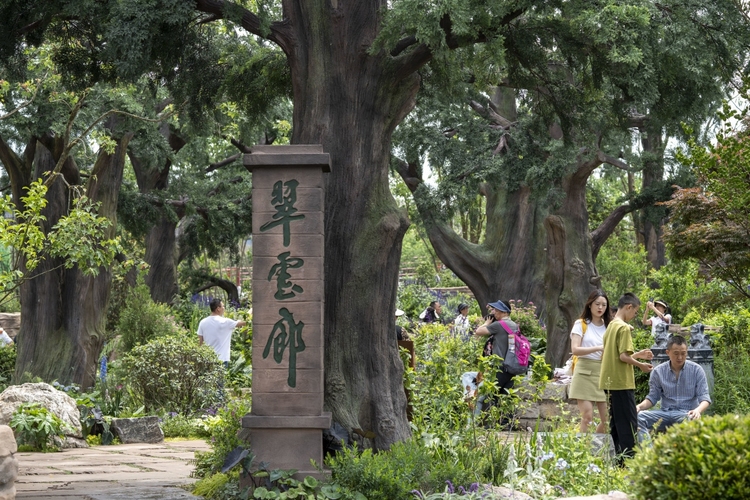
[287,418]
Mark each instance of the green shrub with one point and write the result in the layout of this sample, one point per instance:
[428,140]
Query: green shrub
[142,319]
[706,458]
[7,365]
[176,425]
[175,374]
[382,476]
[36,427]
[731,390]
[223,429]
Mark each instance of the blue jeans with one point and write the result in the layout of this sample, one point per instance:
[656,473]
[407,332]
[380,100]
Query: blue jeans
[658,420]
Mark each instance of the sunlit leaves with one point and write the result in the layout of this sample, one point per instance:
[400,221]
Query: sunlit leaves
[78,239]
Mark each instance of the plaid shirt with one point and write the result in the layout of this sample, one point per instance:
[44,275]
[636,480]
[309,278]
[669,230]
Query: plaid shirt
[684,393]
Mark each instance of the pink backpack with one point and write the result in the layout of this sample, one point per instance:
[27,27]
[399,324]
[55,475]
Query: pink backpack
[519,351]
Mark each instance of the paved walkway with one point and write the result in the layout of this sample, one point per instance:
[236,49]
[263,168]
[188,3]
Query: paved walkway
[121,472]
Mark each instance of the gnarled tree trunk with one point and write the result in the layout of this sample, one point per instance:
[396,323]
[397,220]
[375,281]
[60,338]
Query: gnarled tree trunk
[63,312]
[160,242]
[339,87]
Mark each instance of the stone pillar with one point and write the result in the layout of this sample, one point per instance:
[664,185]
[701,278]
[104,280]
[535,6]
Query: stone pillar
[699,349]
[287,418]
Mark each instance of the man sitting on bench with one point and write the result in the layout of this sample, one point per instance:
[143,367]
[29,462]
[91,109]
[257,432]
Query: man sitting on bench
[681,386]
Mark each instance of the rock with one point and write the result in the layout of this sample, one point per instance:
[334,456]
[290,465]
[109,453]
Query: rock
[56,402]
[8,444]
[8,469]
[8,463]
[498,492]
[138,430]
[8,491]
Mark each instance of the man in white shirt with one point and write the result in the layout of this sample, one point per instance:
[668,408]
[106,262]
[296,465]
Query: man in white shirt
[4,338]
[216,330]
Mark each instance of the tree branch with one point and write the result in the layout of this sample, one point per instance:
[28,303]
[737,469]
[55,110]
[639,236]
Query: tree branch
[223,163]
[249,21]
[606,228]
[611,160]
[413,60]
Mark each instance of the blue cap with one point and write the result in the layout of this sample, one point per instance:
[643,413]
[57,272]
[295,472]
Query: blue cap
[499,306]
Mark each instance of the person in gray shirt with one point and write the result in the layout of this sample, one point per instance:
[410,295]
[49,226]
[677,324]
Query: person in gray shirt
[682,387]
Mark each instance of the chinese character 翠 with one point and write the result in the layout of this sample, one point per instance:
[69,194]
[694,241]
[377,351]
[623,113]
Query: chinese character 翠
[284,197]
[286,333]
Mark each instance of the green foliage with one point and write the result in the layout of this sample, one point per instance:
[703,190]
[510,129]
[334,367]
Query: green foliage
[176,425]
[709,223]
[80,237]
[706,458]
[7,365]
[210,487]
[622,266]
[412,299]
[561,463]
[174,374]
[385,476]
[223,429]
[731,394]
[36,427]
[142,319]
[642,339]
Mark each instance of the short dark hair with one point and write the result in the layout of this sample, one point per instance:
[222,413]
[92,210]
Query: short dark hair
[676,340]
[628,298]
[214,304]
[432,304]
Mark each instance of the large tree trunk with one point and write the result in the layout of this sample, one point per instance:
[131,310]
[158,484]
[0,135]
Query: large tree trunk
[529,253]
[63,312]
[160,242]
[350,102]
[653,172]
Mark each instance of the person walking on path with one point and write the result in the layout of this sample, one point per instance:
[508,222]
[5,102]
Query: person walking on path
[682,387]
[586,342]
[617,378]
[661,316]
[216,330]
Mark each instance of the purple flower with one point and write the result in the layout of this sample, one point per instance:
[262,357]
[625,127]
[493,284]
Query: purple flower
[473,487]
[451,489]
[417,493]
[462,490]
[561,464]
[594,468]
[548,456]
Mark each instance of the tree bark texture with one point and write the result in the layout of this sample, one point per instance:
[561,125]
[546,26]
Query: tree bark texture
[160,242]
[63,312]
[350,102]
[653,171]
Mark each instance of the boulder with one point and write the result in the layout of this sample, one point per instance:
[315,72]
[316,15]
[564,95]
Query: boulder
[8,463]
[137,430]
[56,402]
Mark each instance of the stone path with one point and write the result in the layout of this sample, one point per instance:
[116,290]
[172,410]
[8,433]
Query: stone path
[121,472]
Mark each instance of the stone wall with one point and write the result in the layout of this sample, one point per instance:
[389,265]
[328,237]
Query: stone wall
[549,411]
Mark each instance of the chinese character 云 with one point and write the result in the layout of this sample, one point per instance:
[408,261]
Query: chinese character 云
[285,289]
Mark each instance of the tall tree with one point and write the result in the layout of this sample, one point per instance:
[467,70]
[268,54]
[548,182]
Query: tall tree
[566,105]
[354,71]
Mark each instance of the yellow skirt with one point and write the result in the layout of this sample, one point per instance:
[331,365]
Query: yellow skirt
[585,383]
